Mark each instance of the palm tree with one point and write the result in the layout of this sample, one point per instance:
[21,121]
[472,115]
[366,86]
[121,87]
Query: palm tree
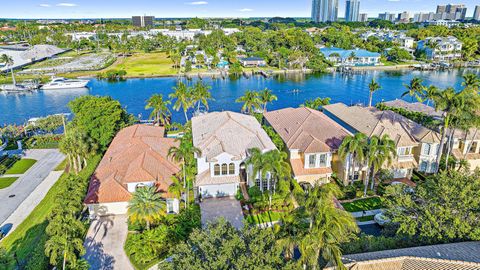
[379,153]
[160,112]
[415,89]
[146,206]
[471,80]
[317,103]
[183,98]
[250,101]
[353,148]
[330,227]
[277,165]
[373,87]
[201,94]
[266,96]
[8,63]
[259,162]
[430,93]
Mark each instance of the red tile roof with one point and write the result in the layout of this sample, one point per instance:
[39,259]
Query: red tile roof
[137,154]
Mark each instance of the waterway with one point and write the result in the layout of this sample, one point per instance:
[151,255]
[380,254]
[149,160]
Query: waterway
[132,93]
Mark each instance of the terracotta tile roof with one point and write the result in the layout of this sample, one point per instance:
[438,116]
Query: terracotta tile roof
[371,121]
[228,132]
[455,256]
[137,154]
[457,153]
[205,178]
[414,107]
[307,130]
[299,169]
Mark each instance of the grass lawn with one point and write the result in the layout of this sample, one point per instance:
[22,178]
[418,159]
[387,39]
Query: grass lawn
[7,181]
[264,217]
[21,166]
[363,204]
[145,65]
[62,166]
[365,218]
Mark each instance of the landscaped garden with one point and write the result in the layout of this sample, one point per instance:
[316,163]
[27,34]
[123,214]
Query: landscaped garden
[366,204]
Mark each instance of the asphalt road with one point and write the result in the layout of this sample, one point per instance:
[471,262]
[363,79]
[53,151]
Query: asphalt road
[47,160]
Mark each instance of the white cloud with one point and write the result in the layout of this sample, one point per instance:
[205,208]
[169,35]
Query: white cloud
[66,5]
[45,5]
[197,3]
[245,10]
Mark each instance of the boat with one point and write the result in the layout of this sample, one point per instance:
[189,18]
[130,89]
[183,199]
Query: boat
[62,83]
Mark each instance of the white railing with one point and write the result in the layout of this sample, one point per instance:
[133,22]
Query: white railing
[405,158]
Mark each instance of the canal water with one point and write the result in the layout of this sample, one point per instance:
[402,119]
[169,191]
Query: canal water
[132,93]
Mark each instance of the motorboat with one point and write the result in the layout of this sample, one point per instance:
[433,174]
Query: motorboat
[62,83]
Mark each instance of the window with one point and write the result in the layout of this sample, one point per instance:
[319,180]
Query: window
[404,151]
[433,168]
[355,177]
[216,169]
[426,149]
[257,183]
[231,169]
[224,169]
[265,184]
[323,160]
[473,147]
[423,166]
[170,206]
[312,159]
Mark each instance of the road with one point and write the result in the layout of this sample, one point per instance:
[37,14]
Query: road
[47,160]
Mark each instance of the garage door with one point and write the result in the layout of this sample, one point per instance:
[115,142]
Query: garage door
[218,190]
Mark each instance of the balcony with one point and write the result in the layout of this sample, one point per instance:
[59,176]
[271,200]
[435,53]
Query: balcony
[405,158]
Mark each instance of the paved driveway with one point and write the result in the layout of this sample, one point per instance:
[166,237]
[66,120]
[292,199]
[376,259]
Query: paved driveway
[47,160]
[104,244]
[228,208]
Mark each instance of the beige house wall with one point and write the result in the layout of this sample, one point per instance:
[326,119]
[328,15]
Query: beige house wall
[107,209]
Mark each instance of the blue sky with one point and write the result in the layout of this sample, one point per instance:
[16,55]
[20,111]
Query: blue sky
[198,8]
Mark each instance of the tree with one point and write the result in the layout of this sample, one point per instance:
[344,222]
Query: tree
[201,94]
[99,118]
[250,101]
[266,96]
[146,206]
[415,89]
[353,149]
[471,80]
[379,152]
[183,98]
[221,246]
[443,208]
[8,61]
[78,147]
[160,112]
[316,104]
[373,87]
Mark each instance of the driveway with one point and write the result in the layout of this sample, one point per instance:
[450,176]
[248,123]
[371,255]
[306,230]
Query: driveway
[228,208]
[104,244]
[13,196]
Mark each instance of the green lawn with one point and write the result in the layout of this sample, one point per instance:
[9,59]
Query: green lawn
[62,166]
[145,65]
[365,218]
[363,204]
[21,166]
[7,181]
[264,217]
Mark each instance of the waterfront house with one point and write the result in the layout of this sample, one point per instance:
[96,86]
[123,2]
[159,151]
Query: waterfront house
[417,146]
[466,146]
[137,157]
[441,48]
[225,139]
[356,57]
[417,107]
[312,140]
[252,62]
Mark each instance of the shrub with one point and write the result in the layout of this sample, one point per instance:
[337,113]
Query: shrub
[146,246]
[255,193]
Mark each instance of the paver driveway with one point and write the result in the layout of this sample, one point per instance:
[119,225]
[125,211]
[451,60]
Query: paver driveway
[104,244]
[228,208]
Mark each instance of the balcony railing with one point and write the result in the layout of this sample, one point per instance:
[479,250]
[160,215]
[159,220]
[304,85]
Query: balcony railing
[404,158]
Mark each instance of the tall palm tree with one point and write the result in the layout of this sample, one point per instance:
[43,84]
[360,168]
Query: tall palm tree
[160,112]
[250,101]
[317,103]
[373,86]
[266,96]
[415,89]
[277,165]
[379,153]
[471,80]
[8,63]
[430,93]
[146,206]
[353,148]
[183,98]
[259,162]
[201,94]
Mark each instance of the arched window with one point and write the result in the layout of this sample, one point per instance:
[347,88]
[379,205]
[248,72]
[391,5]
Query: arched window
[224,169]
[216,169]
[231,169]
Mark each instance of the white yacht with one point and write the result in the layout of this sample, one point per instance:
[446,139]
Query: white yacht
[62,83]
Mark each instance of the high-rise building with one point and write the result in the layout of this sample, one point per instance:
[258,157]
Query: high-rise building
[404,17]
[352,10]
[476,14]
[387,16]
[363,17]
[324,10]
[424,17]
[451,12]
[143,21]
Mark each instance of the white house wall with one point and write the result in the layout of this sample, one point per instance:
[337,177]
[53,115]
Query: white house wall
[106,209]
